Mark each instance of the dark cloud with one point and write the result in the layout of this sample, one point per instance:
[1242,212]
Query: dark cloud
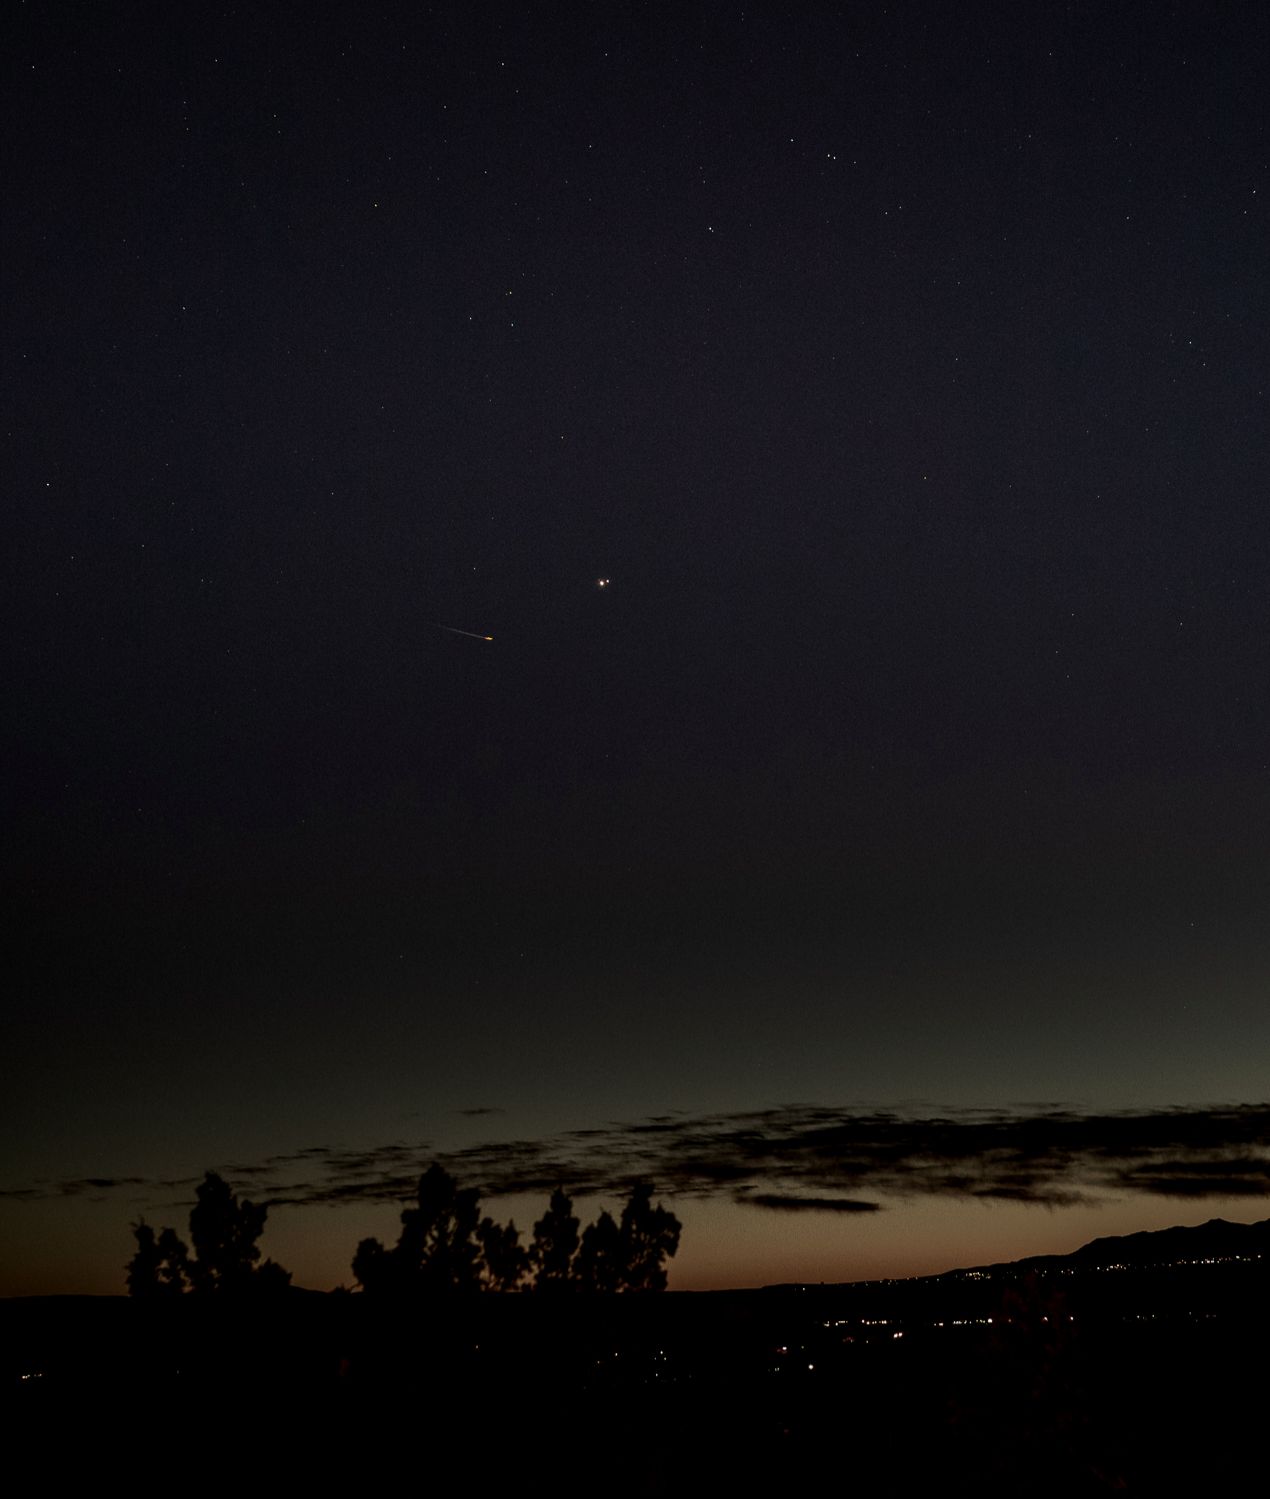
[1222,1176]
[781,1204]
[82,1186]
[803,1158]
[1031,1196]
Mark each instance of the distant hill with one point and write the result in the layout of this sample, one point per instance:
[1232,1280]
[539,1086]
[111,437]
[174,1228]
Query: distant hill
[1215,1240]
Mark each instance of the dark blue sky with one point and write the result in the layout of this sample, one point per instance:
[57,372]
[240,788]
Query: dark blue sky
[904,369]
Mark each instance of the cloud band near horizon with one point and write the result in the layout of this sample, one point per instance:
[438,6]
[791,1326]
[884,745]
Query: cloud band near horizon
[794,1158]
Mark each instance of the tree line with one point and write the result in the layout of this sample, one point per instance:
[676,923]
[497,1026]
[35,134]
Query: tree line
[445,1247]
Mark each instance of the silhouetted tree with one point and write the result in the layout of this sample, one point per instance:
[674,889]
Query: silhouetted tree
[599,1264]
[632,1255]
[555,1244]
[629,1255]
[143,1267]
[174,1267]
[650,1236]
[270,1278]
[445,1246]
[437,1251]
[504,1258]
[374,1269]
[224,1233]
[159,1267]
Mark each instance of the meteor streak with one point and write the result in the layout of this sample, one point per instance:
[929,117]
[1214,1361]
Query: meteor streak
[471,634]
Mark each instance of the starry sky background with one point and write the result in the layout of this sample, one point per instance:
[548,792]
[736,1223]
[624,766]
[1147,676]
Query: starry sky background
[903,367]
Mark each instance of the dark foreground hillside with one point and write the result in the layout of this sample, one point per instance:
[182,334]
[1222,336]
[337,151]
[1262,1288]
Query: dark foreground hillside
[661,1394]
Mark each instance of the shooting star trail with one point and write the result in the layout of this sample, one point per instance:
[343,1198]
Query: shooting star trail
[471,634]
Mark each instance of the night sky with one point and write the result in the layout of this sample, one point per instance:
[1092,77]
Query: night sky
[903,370]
